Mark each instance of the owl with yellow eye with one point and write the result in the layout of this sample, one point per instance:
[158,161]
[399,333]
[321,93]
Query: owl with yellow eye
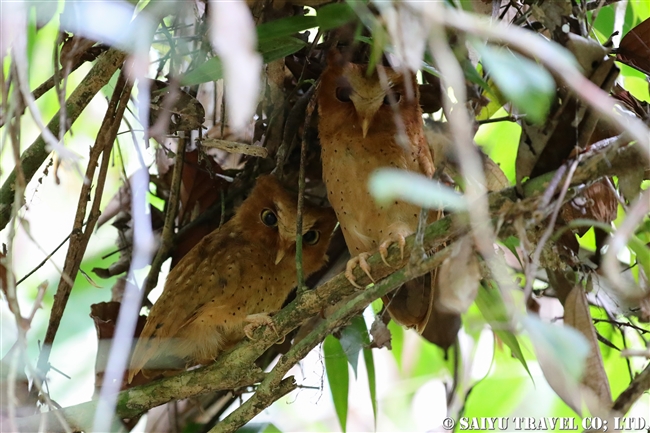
[232,280]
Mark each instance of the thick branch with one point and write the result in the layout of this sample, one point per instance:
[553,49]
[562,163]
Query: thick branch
[79,240]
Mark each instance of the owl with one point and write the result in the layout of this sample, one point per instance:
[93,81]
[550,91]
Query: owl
[232,280]
[360,122]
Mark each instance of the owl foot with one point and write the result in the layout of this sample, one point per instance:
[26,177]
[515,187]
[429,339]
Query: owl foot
[383,248]
[360,260]
[257,320]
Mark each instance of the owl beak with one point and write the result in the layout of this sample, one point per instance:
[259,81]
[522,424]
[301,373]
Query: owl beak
[283,247]
[365,125]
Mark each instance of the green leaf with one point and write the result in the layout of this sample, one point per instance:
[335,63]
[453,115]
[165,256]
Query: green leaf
[279,48]
[211,70]
[338,378]
[562,353]
[491,306]
[642,253]
[372,378]
[352,342]
[285,27]
[361,341]
[512,243]
[265,427]
[271,50]
[334,15]
[387,184]
[327,18]
[528,85]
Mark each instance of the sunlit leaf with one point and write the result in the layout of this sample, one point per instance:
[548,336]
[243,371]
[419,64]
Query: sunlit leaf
[561,352]
[285,27]
[212,70]
[327,18]
[338,378]
[387,184]
[642,253]
[528,85]
[491,305]
[334,15]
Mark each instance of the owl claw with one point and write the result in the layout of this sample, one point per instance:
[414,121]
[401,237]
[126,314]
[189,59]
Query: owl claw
[360,260]
[383,248]
[257,320]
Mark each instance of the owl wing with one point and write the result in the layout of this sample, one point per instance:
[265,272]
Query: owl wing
[197,280]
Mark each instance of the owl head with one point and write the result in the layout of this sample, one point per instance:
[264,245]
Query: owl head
[349,93]
[269,215]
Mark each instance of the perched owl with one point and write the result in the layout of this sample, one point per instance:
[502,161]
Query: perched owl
[233,278]
[360,122]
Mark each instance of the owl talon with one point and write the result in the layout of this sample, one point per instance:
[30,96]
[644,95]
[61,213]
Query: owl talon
[383,248]
[360,260]
[257,320]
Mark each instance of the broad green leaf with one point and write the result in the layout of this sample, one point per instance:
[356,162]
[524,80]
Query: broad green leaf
[338,378]
[279,48]
[561,352]
[642,253]
[512,243]
[397,342]
[271,50]
[352,341]
[211,70]
[372,380]
[265,427]
[285,27]
[528,85]
[327,18]
[359,325]
[387,184]
[334,15]
[491,305]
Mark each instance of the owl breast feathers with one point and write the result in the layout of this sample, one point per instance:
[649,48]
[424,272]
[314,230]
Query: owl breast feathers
[241,271]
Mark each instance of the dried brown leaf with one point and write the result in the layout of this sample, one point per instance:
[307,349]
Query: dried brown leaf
[459,277]
[577,315]
[381,336]
[634,49]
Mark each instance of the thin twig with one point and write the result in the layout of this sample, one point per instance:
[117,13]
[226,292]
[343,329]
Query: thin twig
[301,199]
[532,267]
[79,242]
[167,241]
[633,392]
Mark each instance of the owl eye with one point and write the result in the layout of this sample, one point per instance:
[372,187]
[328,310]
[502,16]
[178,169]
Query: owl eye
[269,218]
[343,94]
[396,96]
[311,237]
